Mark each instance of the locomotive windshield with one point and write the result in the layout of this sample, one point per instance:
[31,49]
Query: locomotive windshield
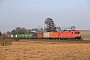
[77,32]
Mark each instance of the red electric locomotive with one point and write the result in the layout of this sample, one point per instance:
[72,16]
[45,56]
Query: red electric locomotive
[71,34]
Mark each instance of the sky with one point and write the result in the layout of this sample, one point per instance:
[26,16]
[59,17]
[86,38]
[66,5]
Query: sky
[32,13]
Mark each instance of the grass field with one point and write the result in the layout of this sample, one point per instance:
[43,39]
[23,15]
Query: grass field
[48,50]
[45,50]
[85,34]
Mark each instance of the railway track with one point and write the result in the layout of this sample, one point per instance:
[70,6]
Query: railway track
[56,41]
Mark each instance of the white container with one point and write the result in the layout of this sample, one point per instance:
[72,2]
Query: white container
[11,36]
[46,34]
[16,36]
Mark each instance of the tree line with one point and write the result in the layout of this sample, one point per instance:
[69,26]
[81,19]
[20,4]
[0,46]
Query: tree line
[22,30]
[50,27]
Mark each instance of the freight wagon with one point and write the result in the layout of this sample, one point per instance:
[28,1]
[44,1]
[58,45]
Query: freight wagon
[70,34]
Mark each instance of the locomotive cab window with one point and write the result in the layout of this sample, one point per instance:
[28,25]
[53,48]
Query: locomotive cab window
[77,32]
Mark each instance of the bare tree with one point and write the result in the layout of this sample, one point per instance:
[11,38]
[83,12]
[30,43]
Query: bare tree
[8,32]
[22,30]
[13,32]
[50,26]
[18,30]
[58,29]
[34,30]
[40,29]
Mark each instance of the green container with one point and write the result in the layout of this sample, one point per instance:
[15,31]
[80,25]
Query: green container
[21,36]
[28,35]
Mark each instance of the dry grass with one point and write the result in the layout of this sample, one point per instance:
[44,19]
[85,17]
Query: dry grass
[37,50]
[85,34]
[5,42]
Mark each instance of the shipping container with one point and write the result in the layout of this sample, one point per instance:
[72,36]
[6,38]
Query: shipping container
[8,36]
[54,34]
[11,36]
[28,35]
[39,35]
[20,36]
[34,35]
[46,35]
[16,36]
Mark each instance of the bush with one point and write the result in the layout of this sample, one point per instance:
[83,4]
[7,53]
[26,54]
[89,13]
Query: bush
[5,42]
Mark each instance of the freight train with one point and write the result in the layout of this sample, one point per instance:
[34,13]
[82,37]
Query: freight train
[70,34]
